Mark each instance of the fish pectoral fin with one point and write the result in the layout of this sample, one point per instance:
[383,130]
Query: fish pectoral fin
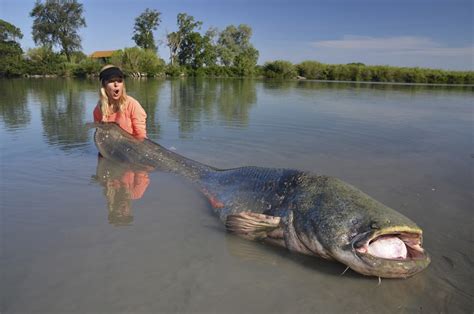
[254,226]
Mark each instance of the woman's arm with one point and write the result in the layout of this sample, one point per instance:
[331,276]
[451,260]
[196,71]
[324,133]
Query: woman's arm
[138,116]
[97,114]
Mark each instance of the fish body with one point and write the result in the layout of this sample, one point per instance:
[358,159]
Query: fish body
[304,212]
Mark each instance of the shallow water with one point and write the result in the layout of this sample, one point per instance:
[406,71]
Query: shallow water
[71,240]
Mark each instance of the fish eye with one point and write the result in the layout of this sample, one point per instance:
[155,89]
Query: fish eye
[374,225]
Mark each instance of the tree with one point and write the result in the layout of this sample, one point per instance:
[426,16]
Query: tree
[246,61]
[198,51]
[56,23]
[233,41]
[9,32]
[173,44]
[234,49]
[190,47]
[145,24]
[180,42]
[10,49]
[207,54]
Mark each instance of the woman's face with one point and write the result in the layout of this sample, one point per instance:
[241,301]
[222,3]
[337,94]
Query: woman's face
[114,88]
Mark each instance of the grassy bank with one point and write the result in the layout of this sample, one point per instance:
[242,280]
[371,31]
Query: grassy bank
[358,72]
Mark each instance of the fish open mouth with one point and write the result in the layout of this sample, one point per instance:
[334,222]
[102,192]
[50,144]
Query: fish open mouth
[391,253]
[392,246]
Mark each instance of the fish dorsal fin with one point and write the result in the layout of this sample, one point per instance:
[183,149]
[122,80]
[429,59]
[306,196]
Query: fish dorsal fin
[252,226]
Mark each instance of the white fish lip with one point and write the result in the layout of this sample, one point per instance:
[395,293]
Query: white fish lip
[416,260]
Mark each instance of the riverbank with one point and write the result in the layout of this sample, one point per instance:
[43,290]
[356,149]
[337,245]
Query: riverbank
[279,69]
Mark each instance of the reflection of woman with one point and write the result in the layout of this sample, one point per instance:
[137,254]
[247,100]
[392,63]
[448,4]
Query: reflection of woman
[121,185]
[116,106]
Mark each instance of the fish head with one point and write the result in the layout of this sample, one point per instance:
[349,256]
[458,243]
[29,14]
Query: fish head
[364,234]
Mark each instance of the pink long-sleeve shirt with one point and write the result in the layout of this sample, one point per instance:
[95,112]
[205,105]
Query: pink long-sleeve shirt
[132,119]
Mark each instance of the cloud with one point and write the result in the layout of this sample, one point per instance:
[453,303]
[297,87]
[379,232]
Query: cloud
[401,45]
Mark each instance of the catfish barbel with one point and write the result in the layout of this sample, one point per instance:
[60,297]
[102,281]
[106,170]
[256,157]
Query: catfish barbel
[301,211]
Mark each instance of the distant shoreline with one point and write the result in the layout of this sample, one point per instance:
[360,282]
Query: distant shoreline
[54,76]
[393,83]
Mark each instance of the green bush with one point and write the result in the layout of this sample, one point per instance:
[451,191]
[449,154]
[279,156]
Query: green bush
[381,73]
[138,62]
[312,70]
[43,61]
[87,67]
[12,66]
[175,70]
[150,64]
[220,71]
[469,77]
[279,69]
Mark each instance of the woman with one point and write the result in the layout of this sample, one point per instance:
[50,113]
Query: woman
[116,106]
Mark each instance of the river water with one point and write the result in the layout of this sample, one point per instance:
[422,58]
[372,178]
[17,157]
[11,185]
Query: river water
[73,241]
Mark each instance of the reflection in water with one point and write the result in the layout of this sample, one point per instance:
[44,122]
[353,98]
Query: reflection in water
[14,109]
[409,88]
[62,112]
[121,184]
[235,99]
[283,85]
[191,102]
[197,100]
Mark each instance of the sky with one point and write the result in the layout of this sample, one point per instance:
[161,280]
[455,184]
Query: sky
[425,33]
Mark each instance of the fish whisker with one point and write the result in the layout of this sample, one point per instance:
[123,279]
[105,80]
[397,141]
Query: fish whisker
[342,274]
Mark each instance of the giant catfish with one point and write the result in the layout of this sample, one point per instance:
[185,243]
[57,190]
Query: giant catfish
[306,213]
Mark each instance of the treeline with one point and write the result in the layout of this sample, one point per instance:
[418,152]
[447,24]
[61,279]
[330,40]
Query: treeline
[214,53]
[228,52]
[358,72]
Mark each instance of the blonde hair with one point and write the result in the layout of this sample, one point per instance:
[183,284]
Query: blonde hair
[105,107]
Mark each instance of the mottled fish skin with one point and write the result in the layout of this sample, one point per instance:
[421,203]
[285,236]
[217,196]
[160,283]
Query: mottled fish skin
[304,212]
[255,189]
